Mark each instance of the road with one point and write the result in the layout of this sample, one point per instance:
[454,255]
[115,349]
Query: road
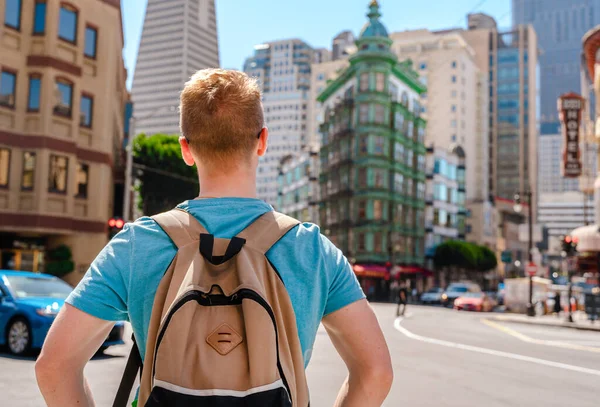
[441,357]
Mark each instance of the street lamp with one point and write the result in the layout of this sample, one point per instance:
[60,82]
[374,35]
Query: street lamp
[518,207]
[129,159]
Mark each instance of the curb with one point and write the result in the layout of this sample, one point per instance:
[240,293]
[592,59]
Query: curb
[550,324]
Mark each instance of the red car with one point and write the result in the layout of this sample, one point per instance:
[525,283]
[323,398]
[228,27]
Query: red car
[479,302]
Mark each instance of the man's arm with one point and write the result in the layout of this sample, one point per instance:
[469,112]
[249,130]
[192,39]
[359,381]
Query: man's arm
[72,341]
[356,334]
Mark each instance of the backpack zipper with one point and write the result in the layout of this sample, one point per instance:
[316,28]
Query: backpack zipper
[212,300]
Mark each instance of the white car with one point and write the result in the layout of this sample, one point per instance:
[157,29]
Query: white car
[432,296]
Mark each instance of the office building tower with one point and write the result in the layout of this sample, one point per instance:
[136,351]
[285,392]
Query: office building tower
[283,71]
[178,39]
[342,45]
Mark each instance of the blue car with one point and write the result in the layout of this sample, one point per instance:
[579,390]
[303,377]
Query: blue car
[29,303]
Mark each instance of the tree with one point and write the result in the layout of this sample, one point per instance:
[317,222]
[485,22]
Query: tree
[165,179]
[487,259]
[60,261]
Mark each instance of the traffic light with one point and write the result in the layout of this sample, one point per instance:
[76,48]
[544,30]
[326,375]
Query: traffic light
[569,245]
[115,225]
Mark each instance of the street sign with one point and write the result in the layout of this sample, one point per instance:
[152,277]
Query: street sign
[506,257]
[531,269]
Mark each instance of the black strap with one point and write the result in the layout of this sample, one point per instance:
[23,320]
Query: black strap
[206,248]
[134,364]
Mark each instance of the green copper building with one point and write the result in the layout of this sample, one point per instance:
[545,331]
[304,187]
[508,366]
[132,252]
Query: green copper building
[372,160]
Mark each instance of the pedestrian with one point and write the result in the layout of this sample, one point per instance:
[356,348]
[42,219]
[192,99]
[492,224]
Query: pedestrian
[402,299]
[394,291]
[557,306]
[224,269]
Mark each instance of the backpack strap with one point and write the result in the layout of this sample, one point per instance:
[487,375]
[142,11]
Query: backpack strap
[265,231]
[181,226]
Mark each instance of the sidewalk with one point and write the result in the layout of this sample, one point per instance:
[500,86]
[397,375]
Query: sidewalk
[580,321]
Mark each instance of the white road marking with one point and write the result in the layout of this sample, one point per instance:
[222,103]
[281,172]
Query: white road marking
[528,339]
[492,352]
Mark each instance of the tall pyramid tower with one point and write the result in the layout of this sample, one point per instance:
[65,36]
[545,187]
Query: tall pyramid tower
[179,38]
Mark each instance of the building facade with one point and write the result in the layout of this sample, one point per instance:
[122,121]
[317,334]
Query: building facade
[445,198]
[342,45]
[298,186]
[179,38]
[61,128]
[455,107]
[283,70]
[372,159]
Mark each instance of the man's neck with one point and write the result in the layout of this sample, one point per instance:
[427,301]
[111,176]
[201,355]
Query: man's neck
[236,185]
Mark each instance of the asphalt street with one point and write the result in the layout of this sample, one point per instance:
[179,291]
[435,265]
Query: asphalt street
[441,358]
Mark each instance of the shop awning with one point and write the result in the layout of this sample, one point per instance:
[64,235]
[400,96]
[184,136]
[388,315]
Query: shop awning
[588,238]
[371,270]
[411,270]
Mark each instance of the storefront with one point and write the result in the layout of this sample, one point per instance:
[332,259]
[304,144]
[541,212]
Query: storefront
[374,280]
[22,253]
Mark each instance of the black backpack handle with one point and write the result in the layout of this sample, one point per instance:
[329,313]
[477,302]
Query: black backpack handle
[207,243]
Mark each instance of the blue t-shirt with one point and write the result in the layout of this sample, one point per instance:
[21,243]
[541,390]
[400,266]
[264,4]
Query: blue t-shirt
[123,279]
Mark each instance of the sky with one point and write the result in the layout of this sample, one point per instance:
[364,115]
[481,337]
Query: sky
[242,24]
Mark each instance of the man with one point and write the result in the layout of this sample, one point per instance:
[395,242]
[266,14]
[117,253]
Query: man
[223,134]
[402,299]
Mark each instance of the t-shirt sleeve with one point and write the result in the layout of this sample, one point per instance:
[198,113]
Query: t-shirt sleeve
[344,288]
[103,290]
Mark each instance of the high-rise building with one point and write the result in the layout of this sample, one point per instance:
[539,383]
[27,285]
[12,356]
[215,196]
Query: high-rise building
[283,71]
[61,129]
[372,157]
[178,39]
[559,25]
[455,109]
[510,58]
[298,186]
[342,45]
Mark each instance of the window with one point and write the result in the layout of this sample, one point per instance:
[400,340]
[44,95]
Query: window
[423,66]
[362,210]
[379,145]
[8,82]
[377,209]
[363,113]
[379,114]
[83,171]
[39,18]
[57,177]
[91,39]
[379,177]
[398,182]
[361,242]
[453,94]
[378,238]
[364,82]
[87,106]
[453,108]
[67,27]
[321,77]
[35,88]
[12,14]
[27,179]
[380,82]
[364,145]
[362,177]
[398,152]
[65,90]
[4,167]
[453,64]
[399,120]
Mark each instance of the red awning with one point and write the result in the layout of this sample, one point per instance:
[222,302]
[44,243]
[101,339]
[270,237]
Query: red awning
[371,270]
[413,270]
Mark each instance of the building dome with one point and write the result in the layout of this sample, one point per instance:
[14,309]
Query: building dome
[374,27]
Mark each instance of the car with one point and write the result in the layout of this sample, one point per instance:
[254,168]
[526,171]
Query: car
[432,296]
[480,302]
[29,302]
[456,290]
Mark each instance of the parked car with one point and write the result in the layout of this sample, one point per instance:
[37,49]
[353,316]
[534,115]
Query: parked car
[456,290]
[480,302]
[29,302]
[432,296]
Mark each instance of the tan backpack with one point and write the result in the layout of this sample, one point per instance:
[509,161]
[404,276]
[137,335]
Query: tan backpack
[223,331]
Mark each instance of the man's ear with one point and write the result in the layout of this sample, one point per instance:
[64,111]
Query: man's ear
[186,152]
[263,142]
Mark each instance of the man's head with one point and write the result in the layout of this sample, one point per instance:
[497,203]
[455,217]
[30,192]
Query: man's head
[222,122]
